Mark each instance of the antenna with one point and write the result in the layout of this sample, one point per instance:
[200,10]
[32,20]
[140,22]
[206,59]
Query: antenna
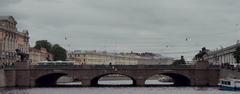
[236,27]
[236,30]
[104,46]
[188,38]
[116,46]
[66,38]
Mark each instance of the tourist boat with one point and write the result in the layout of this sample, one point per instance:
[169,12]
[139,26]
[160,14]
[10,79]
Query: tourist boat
[229,84]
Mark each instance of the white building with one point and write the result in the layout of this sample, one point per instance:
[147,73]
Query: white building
[224,55]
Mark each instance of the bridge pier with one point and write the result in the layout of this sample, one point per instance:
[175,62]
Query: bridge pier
[86,82]
[23,74]
[23,78]
[139,83]
[2,78]
[204,75]
[10,78]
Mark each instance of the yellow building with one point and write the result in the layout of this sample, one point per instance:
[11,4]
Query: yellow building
[104,58]
[38,55]
[101,58]
[11,39]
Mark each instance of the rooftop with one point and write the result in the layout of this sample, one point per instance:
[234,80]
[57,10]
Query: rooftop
[8,18]
[225,49]
[145,55]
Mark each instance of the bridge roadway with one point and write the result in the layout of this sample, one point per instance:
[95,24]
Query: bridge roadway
[183,75]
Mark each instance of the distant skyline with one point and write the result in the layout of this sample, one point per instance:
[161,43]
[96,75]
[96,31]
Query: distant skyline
[169,27]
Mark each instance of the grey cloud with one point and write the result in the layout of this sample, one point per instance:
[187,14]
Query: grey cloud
[123,25]
[5,3]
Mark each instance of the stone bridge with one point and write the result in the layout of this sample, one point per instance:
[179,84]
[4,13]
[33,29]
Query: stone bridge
[182,75]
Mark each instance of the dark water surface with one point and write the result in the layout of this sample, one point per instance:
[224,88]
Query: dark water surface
[118,90]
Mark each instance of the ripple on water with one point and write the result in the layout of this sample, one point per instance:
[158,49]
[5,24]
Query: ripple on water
[118,90]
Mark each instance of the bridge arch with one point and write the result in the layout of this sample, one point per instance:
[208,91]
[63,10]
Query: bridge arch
[51,79]
[177,79]
[48,79]
[95,80]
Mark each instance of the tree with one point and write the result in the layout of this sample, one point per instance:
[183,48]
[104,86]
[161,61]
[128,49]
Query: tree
[180,61]
[58,52]
[43,44]
[236,55]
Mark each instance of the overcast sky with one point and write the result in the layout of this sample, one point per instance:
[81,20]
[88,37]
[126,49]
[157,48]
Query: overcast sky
[170,27]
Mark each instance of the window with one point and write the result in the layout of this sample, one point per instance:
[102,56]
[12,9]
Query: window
[228,83]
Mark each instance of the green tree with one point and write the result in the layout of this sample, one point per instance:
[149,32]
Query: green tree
[43,44]
[59,53]
[236,55]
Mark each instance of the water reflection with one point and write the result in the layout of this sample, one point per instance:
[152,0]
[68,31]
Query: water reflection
[129,82]
[118,82]
[70,83]
[115,79]
[14,91]
[157,82]
[118,90]
[115,82]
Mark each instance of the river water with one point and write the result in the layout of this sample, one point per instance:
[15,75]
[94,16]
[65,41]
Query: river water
[117,90]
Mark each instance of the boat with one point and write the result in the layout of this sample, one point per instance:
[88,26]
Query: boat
[229,84]
[165,79]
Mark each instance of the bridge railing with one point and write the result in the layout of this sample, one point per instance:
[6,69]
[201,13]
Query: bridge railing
[114,66]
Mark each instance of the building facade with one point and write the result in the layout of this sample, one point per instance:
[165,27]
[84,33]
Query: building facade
[11,39]
[38,55]
[105,58]
[224,55]
[100,58]
[155,61]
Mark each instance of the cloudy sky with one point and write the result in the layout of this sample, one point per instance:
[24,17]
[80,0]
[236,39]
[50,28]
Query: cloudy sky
[170,27]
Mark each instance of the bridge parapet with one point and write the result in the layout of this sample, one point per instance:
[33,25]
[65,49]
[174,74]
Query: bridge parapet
[112,67]
[205,65]
[197,66]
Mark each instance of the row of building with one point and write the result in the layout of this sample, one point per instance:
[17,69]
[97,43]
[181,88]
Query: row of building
[12,39]
[106,58]
[222,56]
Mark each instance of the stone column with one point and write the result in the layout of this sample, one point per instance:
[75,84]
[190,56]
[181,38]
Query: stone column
[2,78]
[23,78]
[204,75]
[86,82]
[139,82]
[10,78]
